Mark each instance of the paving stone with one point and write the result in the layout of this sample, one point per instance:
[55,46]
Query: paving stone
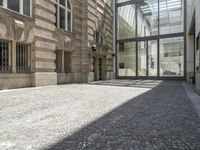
[107,115]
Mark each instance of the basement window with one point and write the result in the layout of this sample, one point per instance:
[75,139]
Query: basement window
[5,55]
[67,64]
[59,61]
[63,61]
[23,7]
[22,58]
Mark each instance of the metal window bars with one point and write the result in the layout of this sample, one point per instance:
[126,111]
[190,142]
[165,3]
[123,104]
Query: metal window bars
[67,62]
[22,58]
[4,57]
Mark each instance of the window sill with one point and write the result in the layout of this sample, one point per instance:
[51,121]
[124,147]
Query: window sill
[64,31]
[64,72]
[103,46]
[14,75]
[16,14]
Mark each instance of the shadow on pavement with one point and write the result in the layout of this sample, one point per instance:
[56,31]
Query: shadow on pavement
[162,118]
[129,83]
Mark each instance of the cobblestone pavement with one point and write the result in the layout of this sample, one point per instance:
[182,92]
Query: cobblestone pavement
[118,115]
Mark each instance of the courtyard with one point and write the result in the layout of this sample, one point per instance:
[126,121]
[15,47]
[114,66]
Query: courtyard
[118,115]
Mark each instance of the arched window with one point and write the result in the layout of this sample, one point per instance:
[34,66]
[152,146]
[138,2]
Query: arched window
[98,38]
[64,15]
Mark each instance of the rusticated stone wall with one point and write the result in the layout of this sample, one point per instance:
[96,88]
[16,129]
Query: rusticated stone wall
[99,18]
[45,39]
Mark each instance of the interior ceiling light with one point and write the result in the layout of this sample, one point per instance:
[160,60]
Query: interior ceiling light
[176,4]
[145,12]
[171,7]
[172,1]
[145,9]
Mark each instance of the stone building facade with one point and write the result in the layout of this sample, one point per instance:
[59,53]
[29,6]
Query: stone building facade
[193,43]
[55,42]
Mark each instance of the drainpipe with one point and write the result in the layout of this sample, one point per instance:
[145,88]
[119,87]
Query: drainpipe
[114,47]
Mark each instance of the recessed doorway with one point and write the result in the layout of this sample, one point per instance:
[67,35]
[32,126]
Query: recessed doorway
[98,68]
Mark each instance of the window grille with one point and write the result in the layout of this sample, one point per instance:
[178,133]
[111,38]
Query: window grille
[59,61]
[67,58]
[22,58]
[4,57]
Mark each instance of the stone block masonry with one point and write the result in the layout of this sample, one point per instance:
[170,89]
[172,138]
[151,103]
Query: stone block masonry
[40,32]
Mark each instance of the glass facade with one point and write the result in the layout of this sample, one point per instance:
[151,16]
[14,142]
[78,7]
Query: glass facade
[154,30]
[127,59]
[147,18]
[142,58]
[171,16]
[152,58]
[126,22]
[172,56]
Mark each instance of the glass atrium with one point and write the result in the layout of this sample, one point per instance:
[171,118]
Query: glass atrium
[150,38]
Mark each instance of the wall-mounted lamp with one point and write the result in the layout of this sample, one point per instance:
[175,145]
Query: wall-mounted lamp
[94,47]
[113,54]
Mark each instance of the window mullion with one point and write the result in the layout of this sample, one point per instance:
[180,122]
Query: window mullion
[4,59]
[19,67]
[5,55]
[17,56]
[66,22]
[58,16]
[21,6]
[5,4]
[71,21]
[10,56]
[31,7]
[2,55]
[66,15]
[71,17]
[23,57]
